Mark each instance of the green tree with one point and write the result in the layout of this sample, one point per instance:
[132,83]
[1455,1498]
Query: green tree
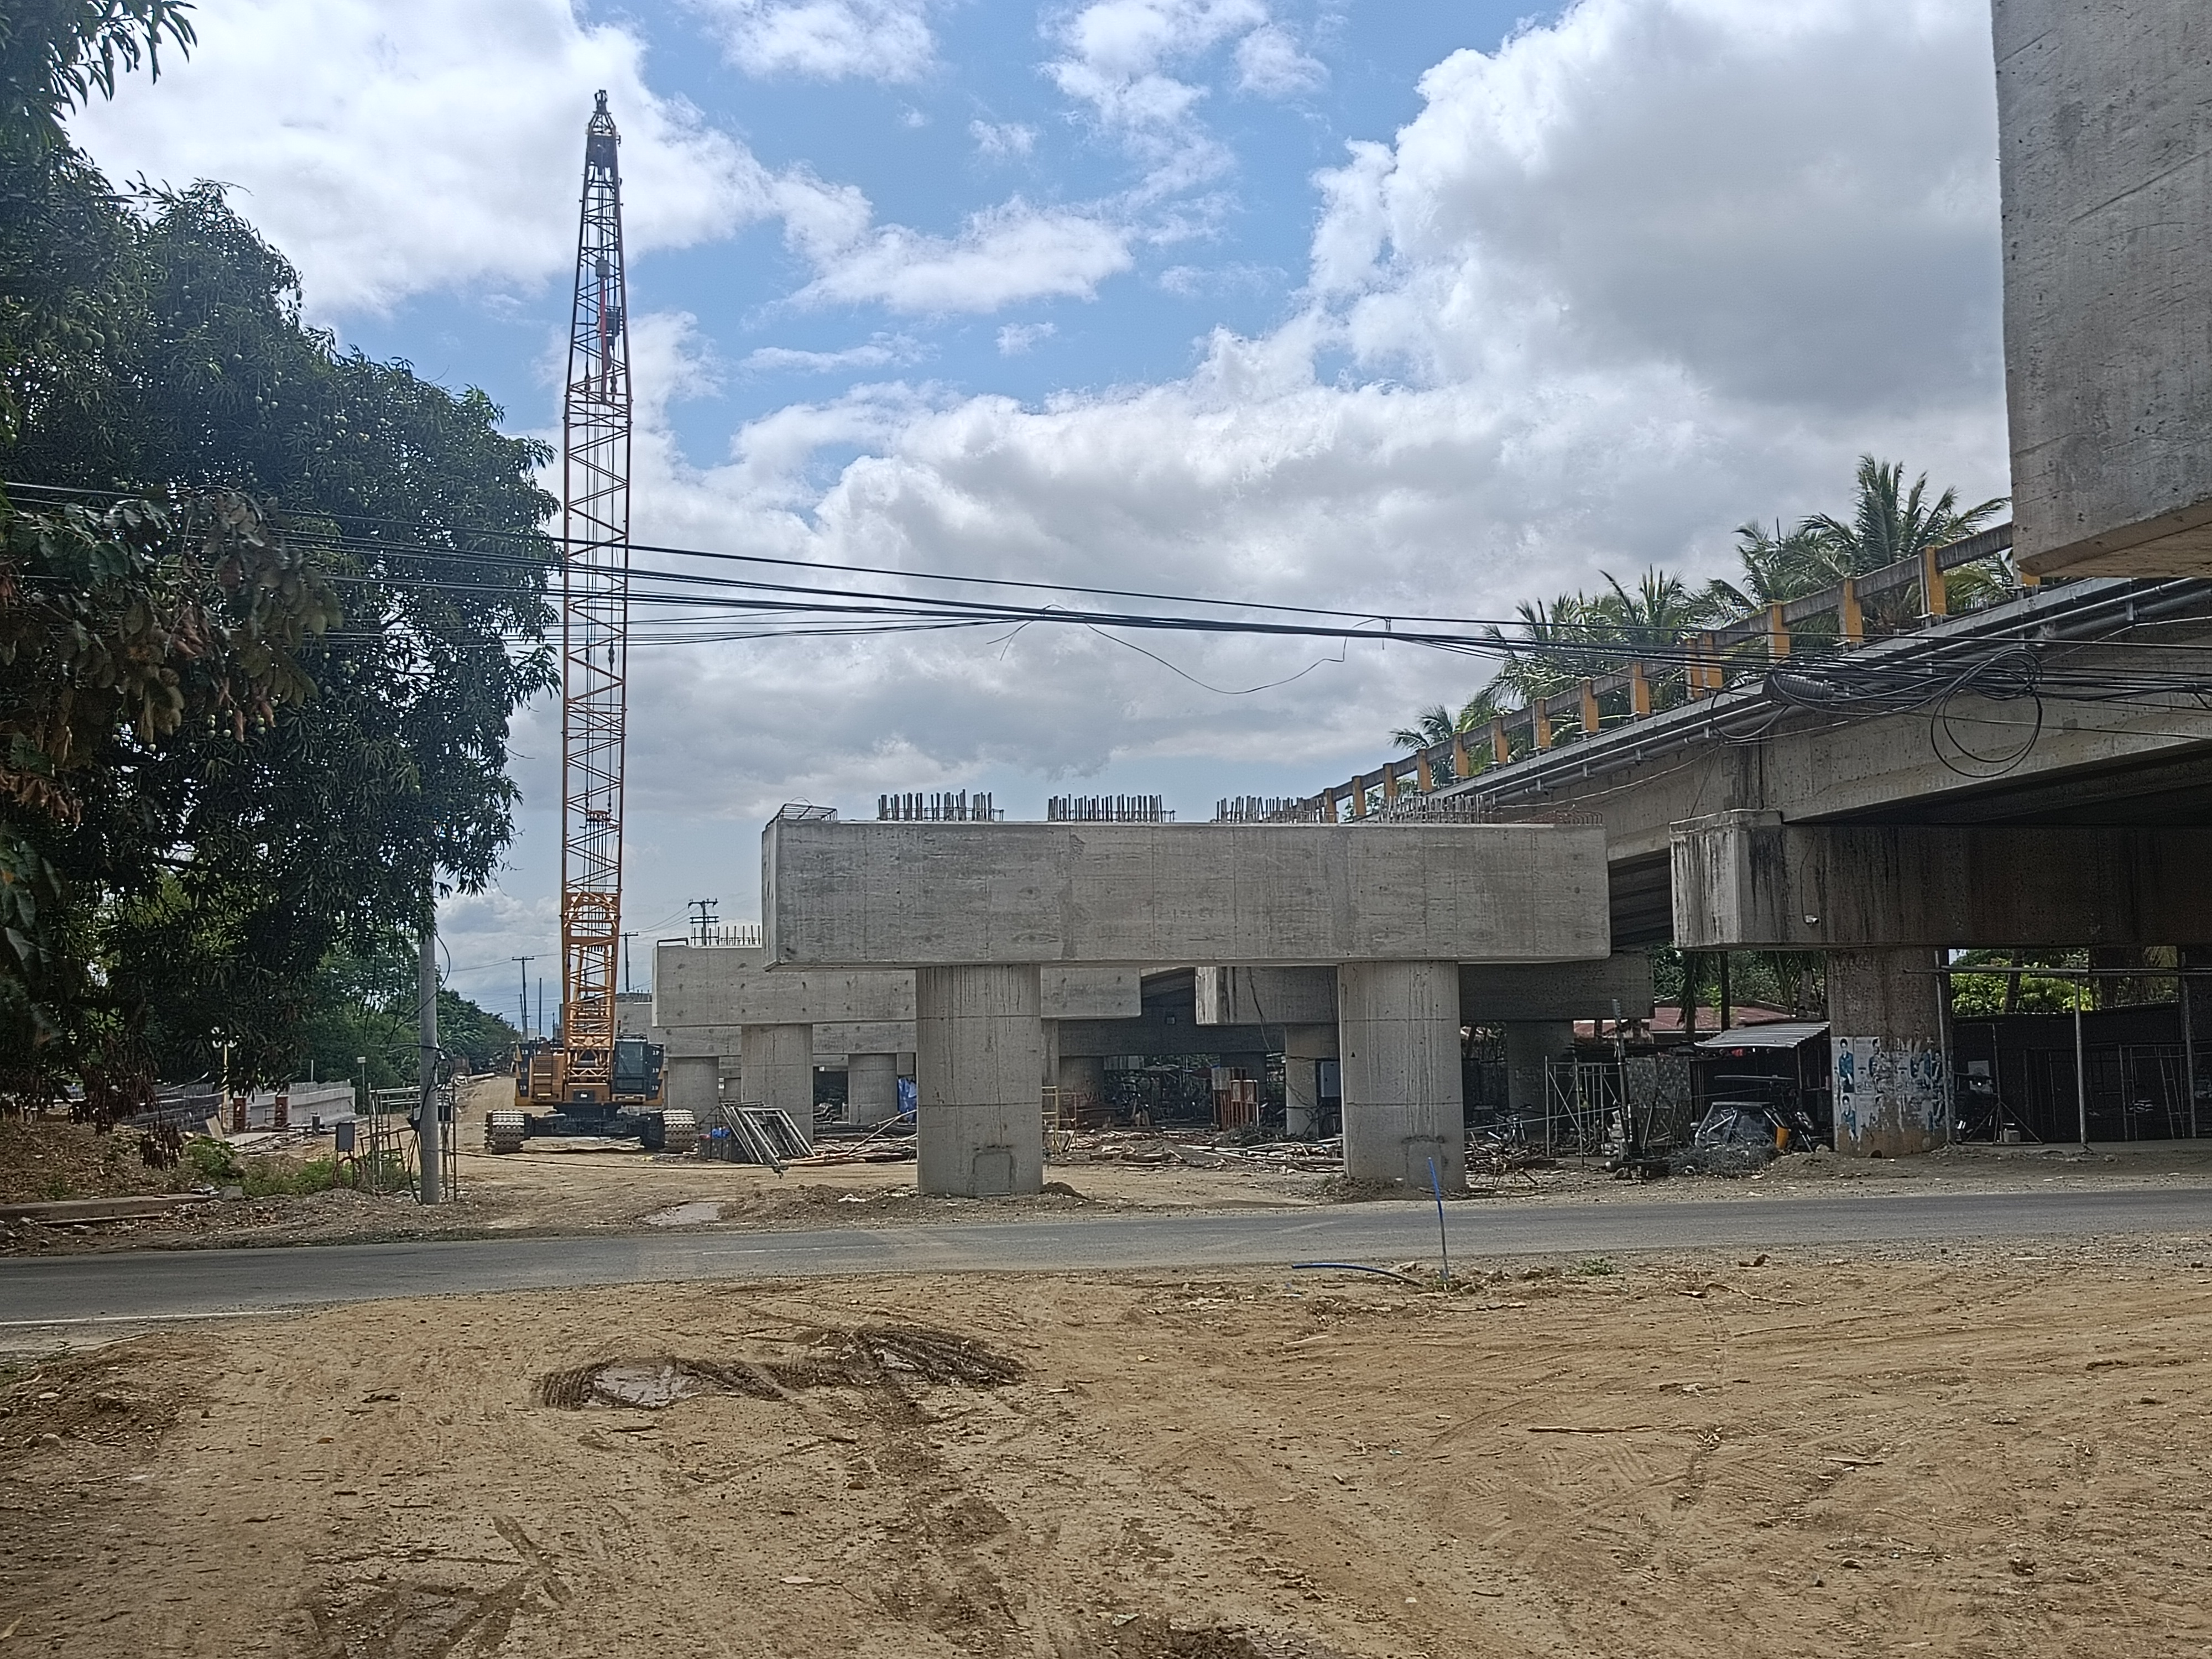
[204,874]
[1890,522]
[55,54]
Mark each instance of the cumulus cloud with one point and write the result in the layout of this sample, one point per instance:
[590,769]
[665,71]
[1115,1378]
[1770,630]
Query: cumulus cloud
[884,351]
[1015,338]
[827,40]
[1797,205]
[1131,61]
[1628,280]
[1270,63]
[1002,140]
[1003,255]
[404,145]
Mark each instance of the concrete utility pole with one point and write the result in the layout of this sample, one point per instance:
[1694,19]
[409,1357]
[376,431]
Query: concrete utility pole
[525,961]
[429,1136]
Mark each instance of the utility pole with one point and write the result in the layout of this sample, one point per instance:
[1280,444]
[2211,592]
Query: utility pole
[626,939]
[430,1134]
[703,918]
[525,961]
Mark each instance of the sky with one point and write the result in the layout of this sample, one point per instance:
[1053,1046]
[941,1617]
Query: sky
[1398,307]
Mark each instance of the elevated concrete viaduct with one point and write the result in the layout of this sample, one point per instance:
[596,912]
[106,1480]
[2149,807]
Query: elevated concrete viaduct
[2075,832]
[976,909]
[1883,900]
[780,1026]
[2142,762]
[1536,1003]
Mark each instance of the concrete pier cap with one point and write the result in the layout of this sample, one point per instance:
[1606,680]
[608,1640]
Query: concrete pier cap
[977,909]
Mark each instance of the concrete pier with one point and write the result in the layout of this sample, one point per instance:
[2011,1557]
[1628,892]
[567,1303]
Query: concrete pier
[1892,1079]
[2107,174]
[1398,1027]
[778,1062]
[980,1055]
[1530,1044]
[692,1083]
[1305,1048]
[871,1088]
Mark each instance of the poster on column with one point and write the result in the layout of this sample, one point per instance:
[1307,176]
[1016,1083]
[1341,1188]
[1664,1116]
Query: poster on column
[1890,1097]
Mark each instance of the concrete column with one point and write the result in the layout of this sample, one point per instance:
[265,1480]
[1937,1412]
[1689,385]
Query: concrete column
[871,1088]
[1892,1075]
[1398,1031]
[1083,1087]
[1529,1044]
[979,1055]
[779,1070]
[1305,1048]
[690,1083]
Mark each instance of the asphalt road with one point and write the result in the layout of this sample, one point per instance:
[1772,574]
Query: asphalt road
[160,1284]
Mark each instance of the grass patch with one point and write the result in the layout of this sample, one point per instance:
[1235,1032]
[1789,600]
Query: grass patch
[210,1161]
[1597,1267]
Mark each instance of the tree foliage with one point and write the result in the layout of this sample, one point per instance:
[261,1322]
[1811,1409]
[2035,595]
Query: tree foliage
[226,757]
[1560,642]
[56,54]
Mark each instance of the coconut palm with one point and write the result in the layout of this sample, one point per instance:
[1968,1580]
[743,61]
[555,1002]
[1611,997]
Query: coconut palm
[1661,611]
[1431,726]
[1890,522]
[1783,564]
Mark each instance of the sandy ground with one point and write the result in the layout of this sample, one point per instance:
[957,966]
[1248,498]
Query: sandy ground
[1983,1452]
[571,1188]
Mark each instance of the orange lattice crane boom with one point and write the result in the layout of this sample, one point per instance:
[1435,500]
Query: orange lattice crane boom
[595,431]
[594,1080]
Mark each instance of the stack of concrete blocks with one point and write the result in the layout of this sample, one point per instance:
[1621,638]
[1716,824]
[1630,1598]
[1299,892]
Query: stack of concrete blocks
[1887,901]
[975,910]
[1536,1003]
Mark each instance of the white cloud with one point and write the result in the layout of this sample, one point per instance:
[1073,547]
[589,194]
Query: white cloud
[827,40]
[1002,140]
[1623,284]
[1269,63]
[884,351]
[1795,203]
[1015,338]
[1133,62]
[1002,256]
[397,146]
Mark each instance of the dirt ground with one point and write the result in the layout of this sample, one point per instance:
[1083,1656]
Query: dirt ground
[573,1188]
[1992,1451]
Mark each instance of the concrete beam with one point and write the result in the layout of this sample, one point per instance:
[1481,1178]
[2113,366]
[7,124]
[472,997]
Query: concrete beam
[1488,993]
[1747,880]
[2105,167]
[719,986]
[703,995]
[832,1042]
[926,895]
[1101,1038]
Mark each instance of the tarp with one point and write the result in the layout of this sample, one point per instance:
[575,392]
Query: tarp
[1781,1034]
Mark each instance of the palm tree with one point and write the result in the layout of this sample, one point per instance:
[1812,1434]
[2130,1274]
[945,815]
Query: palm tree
[1662,613]
[1558,644]
[1786,564]
[1478,710]
[1432,726]
[1891,523]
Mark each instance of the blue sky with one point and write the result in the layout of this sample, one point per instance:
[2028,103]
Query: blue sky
[1391,305]
[1232,250]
